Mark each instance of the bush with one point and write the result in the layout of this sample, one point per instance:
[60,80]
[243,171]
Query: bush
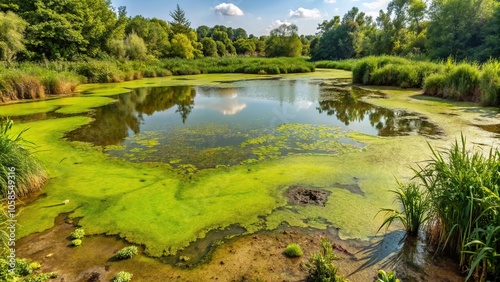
[126,252]
[490,83]
[16,158]
[293,250]
[79,233]
[321,267]
[122,276]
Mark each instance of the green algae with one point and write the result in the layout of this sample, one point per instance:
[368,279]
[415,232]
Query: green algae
[163,208]
[70,105]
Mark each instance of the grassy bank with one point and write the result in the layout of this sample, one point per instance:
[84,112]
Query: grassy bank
[459,81]
[36,80]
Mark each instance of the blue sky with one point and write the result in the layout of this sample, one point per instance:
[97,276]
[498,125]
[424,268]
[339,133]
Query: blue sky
[257,17]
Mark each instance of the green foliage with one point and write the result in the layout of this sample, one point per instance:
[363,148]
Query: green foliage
[463,190]
[321,267]
[122,276]
[182,47]
[79,233]
[76,242]
[460,82]
[490,83]
[135,48]
[16,158]
[415,208]
[284,42]
[11,35]
[293,250]
[383,276]
[127,252]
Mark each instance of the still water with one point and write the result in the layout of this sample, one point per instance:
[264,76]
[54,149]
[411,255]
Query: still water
[240,122]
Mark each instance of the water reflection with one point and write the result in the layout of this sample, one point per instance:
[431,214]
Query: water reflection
[246,106]
[347,107]
[113,122]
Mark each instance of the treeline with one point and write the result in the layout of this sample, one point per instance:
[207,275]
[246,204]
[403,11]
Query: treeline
[435,30]
[75,30]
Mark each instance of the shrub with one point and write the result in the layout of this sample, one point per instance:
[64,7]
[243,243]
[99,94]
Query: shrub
[76,242]
[293,250]
[126,252]
[321,267]
[29,171]
[79,233]
[123,276]
[463,82]
[415,208]
[490,83]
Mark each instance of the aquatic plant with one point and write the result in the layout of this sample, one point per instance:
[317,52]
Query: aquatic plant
[127,252]
[415,207]
[463,189]
[293,250]
[383,276]
[16,160]
[123,276]
[321,267]
[79,233]
[76,242]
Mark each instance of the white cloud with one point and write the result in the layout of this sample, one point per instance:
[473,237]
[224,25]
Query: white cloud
[259,18]
[330,1]
[228,9]
[276,24]
[305,13]
[375,5]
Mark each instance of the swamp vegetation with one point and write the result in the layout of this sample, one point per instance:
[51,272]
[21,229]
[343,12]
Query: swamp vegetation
[122,178]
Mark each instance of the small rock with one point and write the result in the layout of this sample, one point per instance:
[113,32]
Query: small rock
[49,255]
[232,251]
[222,262]
[255,237]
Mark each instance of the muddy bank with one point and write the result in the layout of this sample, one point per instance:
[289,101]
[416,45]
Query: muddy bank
[256,257]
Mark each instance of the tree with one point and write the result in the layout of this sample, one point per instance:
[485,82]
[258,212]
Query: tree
[463,21]
[135,48]
[240,33]
[11,35]
[154,32]
[209,47]
[181,46]
[221,48]
[244,46]
[284,42]
[179,23]
[98,25]
[203,31]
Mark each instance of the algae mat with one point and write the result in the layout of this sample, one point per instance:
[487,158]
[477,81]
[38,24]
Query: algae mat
[154,205]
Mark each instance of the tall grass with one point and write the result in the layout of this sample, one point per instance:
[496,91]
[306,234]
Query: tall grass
[465,81]
[490,83]
[29,172]
[415,208]
[463,189]
[36,80]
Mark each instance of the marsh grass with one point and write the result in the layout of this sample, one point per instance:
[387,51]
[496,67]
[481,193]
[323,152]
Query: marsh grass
[463,189]
[29,171]
[36,80]
[490,83]
[415,207]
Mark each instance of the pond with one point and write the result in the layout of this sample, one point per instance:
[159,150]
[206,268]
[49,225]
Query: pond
[164,163]
[243,122]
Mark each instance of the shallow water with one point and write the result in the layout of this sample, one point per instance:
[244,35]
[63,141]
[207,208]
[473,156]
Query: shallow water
[241,122]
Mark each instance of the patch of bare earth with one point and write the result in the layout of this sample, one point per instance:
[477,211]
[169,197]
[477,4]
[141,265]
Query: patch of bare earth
[257,257]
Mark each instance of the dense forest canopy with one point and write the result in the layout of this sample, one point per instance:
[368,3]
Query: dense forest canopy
[81,29]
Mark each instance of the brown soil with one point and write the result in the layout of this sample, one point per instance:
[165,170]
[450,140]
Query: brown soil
[301,195]
[257,257]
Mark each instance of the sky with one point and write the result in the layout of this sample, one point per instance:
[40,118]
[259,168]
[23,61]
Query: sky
[257,17]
